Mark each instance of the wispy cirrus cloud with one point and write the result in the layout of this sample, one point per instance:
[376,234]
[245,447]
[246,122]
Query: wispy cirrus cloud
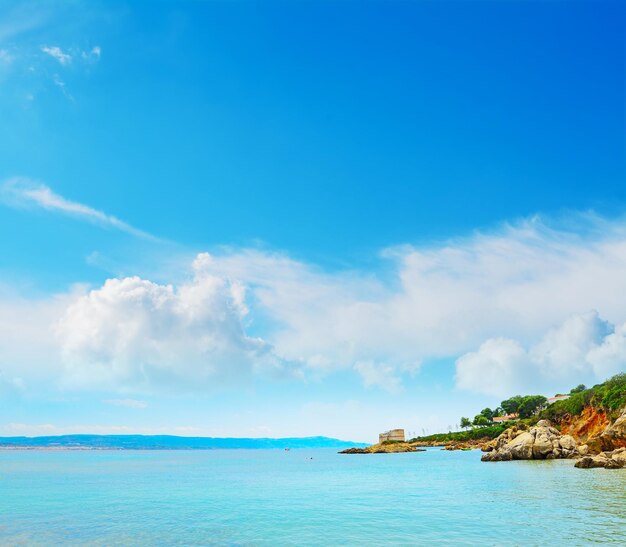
[57,53]
[128,403]
[21,192]
[93,54]
[65,57]
[22,19]
[61,85]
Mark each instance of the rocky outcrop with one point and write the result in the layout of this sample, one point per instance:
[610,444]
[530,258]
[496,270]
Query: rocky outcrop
[615,459]
[541,442]
[469,444]
[460,446]
[589,424]
[595,428]
[383,448]
[614,436]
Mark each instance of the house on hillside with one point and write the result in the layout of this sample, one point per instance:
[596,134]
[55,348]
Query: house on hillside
[391,435]
[552,400]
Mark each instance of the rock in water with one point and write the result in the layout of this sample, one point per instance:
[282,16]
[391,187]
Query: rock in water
[615,459]
[384,448]
[541,442]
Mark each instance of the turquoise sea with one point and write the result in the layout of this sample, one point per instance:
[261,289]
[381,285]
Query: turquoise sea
[303,497]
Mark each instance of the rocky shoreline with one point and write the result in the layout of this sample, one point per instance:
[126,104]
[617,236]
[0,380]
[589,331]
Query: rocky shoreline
[417,446]
[472,444]
[591,447]
[541,442]
[604,447]
[384,448]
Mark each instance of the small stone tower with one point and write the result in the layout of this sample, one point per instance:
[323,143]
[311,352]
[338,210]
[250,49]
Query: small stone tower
[391,435]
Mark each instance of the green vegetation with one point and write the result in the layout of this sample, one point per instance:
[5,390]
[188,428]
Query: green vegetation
[530,405]
[609,396]
[527,407]
[490,432]
[481,421]
[511,406]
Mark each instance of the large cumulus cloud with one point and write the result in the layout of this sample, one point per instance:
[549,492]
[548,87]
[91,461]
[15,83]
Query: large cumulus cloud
[584,348]
[495,299]
[136,334]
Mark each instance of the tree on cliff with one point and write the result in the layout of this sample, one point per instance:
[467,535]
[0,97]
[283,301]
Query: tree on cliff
[481,421]
[524,406]
[465,423]
[531,404]
[578,389]
[487,413]
[511,406]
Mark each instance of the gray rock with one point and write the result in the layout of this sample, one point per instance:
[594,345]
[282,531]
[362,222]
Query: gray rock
[615,459]
[541,442]
[588,462]
[567,442]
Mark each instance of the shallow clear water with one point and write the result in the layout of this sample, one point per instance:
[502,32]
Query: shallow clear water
[272,497]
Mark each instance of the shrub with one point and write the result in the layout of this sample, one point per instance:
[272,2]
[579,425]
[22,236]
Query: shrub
[609,396]
[479,433]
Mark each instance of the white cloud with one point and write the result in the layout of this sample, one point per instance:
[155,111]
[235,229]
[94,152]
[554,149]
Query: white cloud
[609,357]
[500,292]
[10,385]
[133,334]
[583,349]
[499,367]
[57,53]
[128,403]
[379,374]
[28,348]
[439,301]
[24,192]
[92,55]
[61,85]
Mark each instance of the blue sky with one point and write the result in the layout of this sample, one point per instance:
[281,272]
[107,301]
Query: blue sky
[403,204]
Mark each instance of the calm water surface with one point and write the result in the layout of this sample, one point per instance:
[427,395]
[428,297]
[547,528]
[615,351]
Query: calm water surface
[303,497]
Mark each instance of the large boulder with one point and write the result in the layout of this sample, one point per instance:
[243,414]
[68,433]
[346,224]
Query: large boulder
[567,442]
[521,447]
[506,437]
[619,456]
[612,459]
[605,460]
[541,442]
[614,436]
[589,462]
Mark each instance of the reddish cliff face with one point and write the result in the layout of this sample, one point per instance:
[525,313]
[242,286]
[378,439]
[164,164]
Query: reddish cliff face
[595,428]
[589,424]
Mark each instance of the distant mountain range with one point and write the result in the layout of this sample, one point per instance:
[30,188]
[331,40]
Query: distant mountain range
[167,442]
